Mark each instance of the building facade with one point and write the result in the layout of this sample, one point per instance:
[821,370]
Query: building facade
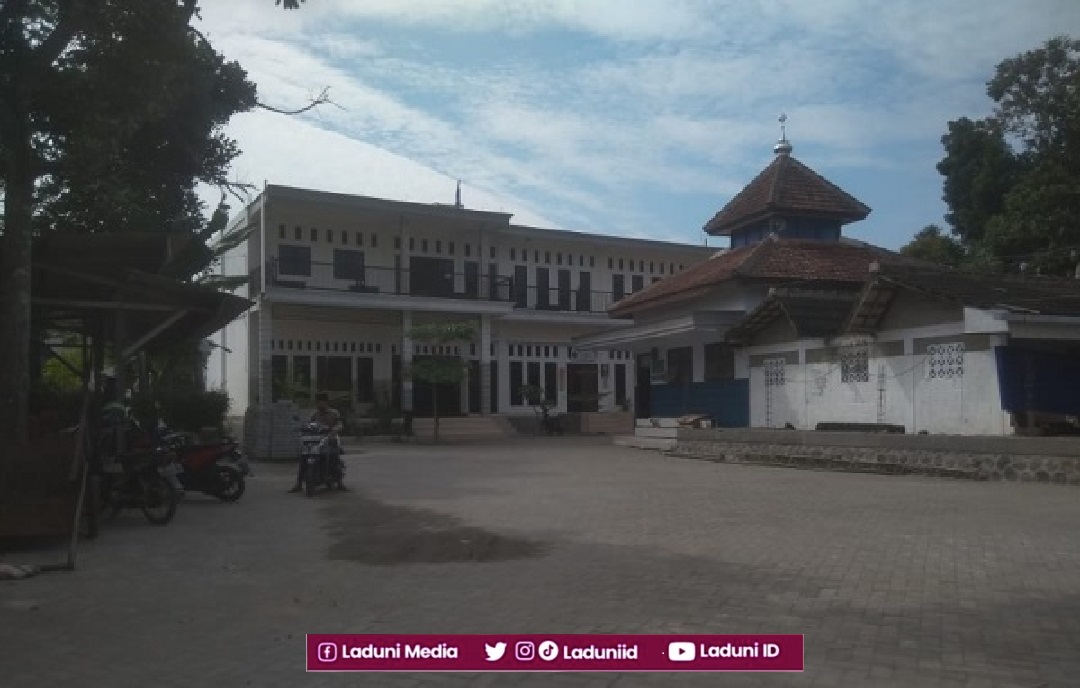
[338,282]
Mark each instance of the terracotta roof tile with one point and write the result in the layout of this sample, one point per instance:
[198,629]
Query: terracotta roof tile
[775,259]
[786,186]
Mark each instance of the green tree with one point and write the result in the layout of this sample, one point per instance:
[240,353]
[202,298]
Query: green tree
[111,111]
[933,245]
[1012,180]
[444,369]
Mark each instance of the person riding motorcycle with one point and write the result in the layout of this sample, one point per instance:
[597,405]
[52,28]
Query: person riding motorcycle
[324,414]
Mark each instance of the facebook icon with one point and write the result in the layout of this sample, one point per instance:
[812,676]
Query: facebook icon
[327,652]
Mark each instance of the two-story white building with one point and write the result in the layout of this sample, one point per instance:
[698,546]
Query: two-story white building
[339,280]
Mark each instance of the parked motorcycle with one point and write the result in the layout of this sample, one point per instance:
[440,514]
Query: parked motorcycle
[321,454]
[213,469]
[141,480]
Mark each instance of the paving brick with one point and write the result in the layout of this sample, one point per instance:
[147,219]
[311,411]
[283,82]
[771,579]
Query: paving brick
[895,581]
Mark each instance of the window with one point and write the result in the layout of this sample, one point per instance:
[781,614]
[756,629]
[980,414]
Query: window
[680,365]
[547,257]
[652,267]
[558,258]
[281,231]
[536,256]
[349,265]
[450,248]
[681,267]
[468,250]
[294,260]
[775,372]
[314,234]
[719,361]
[510,350]
[581,261]
[298,233]
[412,244]
[592,261]
[516,381]
[610,264]
[533,369]
[547,352]
[344,238]
[289,344]
[569,259]
[551,383]
[528,350]
[945,361]
[671,268]
[335,347]
[854,364]
[641,266]
[359,238]
[661,268]
[438,246]
[352,348]
[397,243]
[374,241]
[513,254]
[655,280]
[492,251]
[423,245]
[329,236]
[524,255]
[621,264]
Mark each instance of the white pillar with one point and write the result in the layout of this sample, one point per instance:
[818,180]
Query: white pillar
[503,359]
[699,362]
[266,352]
[485,365]
[406,362]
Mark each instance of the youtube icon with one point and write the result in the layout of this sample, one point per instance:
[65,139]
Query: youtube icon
[681,652]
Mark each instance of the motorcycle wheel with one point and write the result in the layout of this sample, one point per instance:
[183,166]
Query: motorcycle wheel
[158,500]
[111,499]
[232,484]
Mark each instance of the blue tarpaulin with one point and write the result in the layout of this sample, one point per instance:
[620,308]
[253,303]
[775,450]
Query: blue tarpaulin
[1032,380]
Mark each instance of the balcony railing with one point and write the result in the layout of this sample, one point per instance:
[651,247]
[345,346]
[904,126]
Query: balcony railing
[457,285]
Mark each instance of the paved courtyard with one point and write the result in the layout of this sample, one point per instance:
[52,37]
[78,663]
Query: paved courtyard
[895,581]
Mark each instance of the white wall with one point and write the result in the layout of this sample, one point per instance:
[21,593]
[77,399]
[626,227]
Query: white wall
[908,396]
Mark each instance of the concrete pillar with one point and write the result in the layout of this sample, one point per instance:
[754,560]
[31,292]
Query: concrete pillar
[503,359]
[699,362]
[406,362]
[563,385]
[485,365]
[266,353]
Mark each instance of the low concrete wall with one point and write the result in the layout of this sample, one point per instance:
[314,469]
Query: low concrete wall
[1046,459]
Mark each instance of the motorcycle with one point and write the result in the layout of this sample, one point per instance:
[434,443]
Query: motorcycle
[141,480]
[321,454]
[213,469]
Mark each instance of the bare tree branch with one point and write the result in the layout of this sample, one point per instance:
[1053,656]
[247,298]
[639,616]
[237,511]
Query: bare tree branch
[322,99]
[237,190]
[71,14]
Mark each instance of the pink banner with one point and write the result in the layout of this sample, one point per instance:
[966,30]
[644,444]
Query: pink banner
[475,653]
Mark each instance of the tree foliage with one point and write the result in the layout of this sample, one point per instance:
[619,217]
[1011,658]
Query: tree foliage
[111,112]
[933,245]
[441,369]
[1012,180]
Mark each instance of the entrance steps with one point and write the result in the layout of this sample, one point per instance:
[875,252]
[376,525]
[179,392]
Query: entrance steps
[461,428]
[652,433]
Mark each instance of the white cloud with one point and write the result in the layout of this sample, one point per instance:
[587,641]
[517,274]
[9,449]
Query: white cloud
[646,98]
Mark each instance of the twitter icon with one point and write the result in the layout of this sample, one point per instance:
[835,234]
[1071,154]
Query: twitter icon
[495,652]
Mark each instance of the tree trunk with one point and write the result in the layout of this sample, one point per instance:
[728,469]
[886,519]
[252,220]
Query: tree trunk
[15,249]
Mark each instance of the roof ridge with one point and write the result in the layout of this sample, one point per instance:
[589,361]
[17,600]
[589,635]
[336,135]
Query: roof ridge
[774,191]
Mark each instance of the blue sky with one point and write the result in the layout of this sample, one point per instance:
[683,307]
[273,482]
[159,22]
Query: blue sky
[634,118]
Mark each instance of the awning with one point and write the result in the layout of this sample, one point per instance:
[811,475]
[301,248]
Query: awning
[81,282]
[699,323]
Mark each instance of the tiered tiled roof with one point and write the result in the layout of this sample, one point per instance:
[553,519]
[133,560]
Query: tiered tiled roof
[777,260]
[786,187]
